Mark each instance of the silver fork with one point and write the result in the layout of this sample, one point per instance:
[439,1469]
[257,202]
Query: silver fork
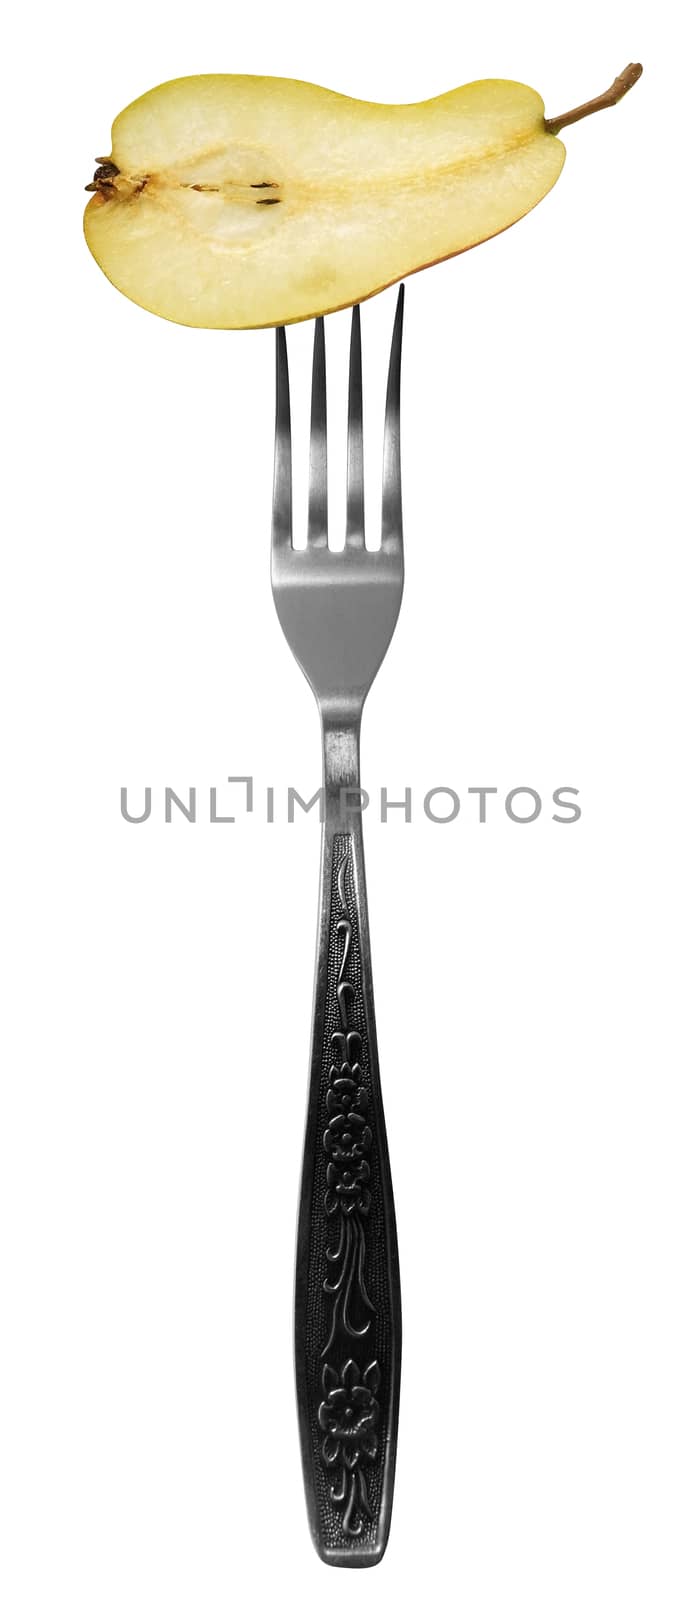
[338,611]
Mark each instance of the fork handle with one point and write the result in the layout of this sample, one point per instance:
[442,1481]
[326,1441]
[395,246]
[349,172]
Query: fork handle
[347,1308]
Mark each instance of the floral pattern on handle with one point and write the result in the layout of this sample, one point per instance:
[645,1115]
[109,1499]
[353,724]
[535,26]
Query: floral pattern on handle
[348,1416]
[348,1412]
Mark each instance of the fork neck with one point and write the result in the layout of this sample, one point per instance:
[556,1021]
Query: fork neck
[341,779]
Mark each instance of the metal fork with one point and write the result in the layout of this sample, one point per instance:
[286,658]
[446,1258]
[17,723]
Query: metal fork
[338,611]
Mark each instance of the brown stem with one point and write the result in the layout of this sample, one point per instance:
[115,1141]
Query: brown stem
[620,87]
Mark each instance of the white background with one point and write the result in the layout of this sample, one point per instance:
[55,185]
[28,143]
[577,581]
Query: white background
[532,983]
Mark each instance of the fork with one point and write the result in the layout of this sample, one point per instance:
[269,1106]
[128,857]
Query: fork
[338,610]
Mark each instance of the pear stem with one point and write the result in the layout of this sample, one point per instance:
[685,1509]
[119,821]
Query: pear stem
[617,90]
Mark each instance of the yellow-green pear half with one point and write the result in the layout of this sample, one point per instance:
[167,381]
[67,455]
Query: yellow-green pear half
[244,202]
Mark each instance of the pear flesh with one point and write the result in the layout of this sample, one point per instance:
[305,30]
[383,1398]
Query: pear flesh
[242,202]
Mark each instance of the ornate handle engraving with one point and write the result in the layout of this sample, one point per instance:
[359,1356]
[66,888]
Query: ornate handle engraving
[349,1415]
[348,1412]
[348,1314]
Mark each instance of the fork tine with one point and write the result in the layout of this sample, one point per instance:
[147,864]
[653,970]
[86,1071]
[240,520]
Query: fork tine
[391,522]
[355,441]
[318,450]
[282,483]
